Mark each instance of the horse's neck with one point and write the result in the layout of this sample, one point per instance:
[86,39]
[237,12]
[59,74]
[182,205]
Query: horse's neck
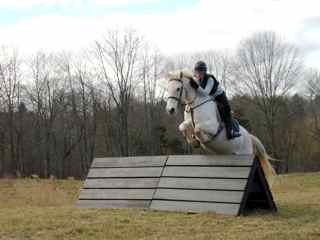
[208,109]
[199,99]
[195,98]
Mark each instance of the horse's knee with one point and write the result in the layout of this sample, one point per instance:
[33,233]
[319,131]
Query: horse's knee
[184,126]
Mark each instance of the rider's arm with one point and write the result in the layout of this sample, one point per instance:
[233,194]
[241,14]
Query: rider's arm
[209,86]
[213,88]
[218,90]
[195,85]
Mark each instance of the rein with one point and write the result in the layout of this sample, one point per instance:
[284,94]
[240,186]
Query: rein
[200,104]
[190,109]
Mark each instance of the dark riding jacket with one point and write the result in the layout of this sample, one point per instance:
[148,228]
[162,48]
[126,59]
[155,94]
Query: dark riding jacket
[211,86]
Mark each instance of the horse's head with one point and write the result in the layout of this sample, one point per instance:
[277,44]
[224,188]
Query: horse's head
[178,90]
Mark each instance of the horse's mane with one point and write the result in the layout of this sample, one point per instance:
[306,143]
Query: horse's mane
[177,74]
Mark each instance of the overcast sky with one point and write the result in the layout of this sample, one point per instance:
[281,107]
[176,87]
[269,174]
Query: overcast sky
[173,25]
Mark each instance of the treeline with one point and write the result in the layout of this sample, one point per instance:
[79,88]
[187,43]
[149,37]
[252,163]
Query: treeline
[60,110]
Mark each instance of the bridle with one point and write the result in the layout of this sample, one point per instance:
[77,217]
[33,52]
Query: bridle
[178,99]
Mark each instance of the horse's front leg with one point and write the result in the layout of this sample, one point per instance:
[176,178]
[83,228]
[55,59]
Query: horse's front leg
[202,135]
[187,130]
[185,125]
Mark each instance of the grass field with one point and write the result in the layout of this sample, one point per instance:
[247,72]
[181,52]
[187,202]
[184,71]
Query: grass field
[44,209]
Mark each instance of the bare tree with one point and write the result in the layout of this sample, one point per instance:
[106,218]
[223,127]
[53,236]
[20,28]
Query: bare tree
[10,77]
[117,55]
[44,93]
[151,69]
[267,68]
[83,101]
[313,89]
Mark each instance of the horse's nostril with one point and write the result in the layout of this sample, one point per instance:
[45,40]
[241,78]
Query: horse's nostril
[171,111]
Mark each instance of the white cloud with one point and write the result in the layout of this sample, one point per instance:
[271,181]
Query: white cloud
[210,24]
[10,4]
[23,3]
[122,2]
[49,33]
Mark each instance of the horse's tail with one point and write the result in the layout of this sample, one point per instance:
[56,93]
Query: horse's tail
[263,156]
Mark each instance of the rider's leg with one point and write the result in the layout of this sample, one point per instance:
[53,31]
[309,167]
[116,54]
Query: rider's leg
[226,113]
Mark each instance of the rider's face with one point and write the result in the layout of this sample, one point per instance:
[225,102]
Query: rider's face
[199,75]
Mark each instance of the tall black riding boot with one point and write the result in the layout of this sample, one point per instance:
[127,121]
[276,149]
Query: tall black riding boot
[228,124]
[225,113]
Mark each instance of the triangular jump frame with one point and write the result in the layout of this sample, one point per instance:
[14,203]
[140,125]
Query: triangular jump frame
[257,195]
[225,184]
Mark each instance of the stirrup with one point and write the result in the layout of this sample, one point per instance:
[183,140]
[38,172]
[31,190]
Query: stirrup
[234,134]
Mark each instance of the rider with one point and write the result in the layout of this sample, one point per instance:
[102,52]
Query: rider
[212,87]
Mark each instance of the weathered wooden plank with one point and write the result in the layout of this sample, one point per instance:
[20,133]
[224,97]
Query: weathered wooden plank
[121,183]
[214,172]
[203,183]
[221,208]
[199,195]
[125,172]
[197,183]
[209,160]
[116,194]
[113,203]
[155,161]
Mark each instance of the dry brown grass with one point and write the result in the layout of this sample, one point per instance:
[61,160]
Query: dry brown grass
[37,193]
[43,209]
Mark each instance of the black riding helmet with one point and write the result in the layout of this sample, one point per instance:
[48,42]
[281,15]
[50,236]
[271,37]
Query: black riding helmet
[201,66]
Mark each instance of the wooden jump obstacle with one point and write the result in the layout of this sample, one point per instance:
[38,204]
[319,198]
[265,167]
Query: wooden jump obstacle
[226,184]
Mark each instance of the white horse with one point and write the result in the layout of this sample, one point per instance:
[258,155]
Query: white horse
[202,124]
